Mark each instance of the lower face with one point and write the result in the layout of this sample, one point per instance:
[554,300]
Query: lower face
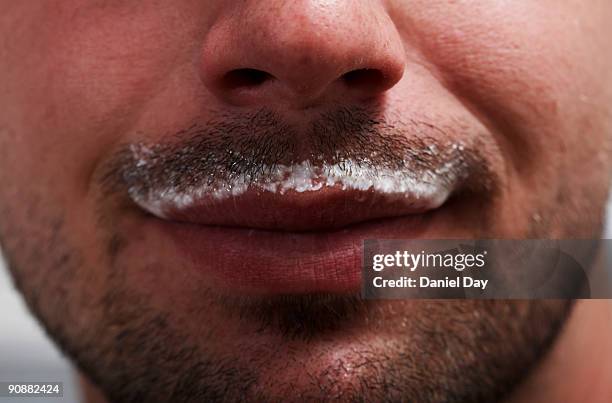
[180,309]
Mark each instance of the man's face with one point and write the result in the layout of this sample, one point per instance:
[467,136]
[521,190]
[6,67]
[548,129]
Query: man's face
[185,185]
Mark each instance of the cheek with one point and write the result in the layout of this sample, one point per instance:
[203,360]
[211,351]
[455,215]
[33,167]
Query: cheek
[519,63]
[75,84]
[515,60]
[537,72]
[537,75]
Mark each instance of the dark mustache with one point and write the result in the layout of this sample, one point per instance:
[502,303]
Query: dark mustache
[253,145]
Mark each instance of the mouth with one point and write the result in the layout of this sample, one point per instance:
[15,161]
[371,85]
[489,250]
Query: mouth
[266,240]
[323,210]
[279,210]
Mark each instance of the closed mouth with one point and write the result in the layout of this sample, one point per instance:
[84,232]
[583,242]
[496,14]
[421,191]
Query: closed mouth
[301,198]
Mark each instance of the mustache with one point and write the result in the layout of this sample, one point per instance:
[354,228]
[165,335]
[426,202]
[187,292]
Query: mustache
[261,147]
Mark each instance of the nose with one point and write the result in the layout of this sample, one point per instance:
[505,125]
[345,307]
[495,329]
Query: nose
[300,53]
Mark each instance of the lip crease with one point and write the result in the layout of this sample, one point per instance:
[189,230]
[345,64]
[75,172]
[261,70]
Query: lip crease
[264,243]
[325,209]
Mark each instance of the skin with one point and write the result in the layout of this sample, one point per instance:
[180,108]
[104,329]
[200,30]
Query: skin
[80,78]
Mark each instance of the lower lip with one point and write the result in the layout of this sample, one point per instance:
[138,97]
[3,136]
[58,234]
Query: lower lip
[258,262]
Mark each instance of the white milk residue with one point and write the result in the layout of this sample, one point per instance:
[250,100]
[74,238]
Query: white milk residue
[426,188]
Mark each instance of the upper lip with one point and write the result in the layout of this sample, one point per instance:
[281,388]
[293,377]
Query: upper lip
[326,208]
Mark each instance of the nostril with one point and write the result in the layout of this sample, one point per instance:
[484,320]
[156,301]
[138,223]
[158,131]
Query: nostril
[368,79]
[240,78]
